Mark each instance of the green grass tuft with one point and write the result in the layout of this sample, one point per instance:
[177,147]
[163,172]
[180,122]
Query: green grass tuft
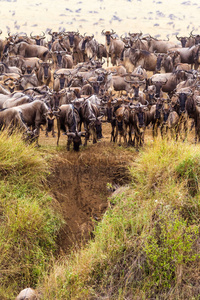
[28,222]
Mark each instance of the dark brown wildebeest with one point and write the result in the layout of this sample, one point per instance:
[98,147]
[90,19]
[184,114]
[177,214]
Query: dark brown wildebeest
[90,116]
[4,68]
[44,74]
[88,47]
[179,104]
[185,41]
[11,118]
[73,39]
[189,55]
[170,61]
[138,122]
[26,50]
[159,46]
[121,123]
[169,81]
[60,81]
[34,115]
[50,124]
[114,47]
[193,111]
[16,101]
[68,118]
[133,58]
[62,59]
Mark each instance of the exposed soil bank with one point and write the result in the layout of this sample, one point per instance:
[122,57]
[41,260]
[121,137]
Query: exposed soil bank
[80,182]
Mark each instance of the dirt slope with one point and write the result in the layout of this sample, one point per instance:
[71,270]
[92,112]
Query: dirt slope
[80,182]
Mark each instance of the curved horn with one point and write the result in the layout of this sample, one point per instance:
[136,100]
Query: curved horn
[32,35]
[192,35]
[103,32]
[178,38]
[43,36]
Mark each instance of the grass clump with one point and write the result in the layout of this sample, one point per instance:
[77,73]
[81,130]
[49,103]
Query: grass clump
[28,223]
[146,246]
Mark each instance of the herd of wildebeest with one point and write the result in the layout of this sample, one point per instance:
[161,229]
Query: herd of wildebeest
[133,82]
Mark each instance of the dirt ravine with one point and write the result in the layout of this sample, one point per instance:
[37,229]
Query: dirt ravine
[80,183]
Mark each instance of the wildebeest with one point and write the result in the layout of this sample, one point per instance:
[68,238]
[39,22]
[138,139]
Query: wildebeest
[44,74]
[169,81]
[62,59]
[11,118]
[90,116]
[138,123]
[50,124]
[120,123]
[114,47]
[88,47]
[68,118]
[26,50]
[189,55]
[159,46]
[34,114]
[133,58]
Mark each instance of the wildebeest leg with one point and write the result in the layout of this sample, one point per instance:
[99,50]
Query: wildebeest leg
[53,132]
[186,129]
[155,129]
[116,133]
[87,133]
[58,126]
[69,141]
[197,131]
[112,139]
[192,125]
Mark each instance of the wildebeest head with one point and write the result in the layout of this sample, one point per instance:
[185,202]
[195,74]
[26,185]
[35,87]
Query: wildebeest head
[59,57]
[62,79]
[196,37]
[182,97]
[46,68]
[183,40]
[140,117]
[76,139]
[159,61]
[38,38]
[108,34]
[158,85]
[71,36]
[97,126]
[165,109]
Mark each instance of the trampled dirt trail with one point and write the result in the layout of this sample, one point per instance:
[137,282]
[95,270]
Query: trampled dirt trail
[79,184]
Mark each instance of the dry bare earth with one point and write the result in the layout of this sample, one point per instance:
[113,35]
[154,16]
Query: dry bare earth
[79,183]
